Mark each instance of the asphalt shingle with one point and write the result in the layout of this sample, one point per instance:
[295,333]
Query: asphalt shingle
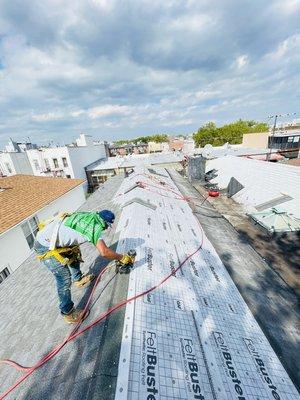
[30,325]
[23,195]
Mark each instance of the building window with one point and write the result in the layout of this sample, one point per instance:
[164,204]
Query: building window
[30,229]
[47,164]
[68,176]
[4,274]
[65,162]
[7,165]
[36,165]
[55,162]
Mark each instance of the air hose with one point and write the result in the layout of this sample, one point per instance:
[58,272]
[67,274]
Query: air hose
[76,331]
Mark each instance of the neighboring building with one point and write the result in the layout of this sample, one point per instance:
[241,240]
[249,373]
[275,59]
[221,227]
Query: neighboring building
[154,147]
[287,141]
[256,140]
[127,149]
[66,161]
[12,163]
[26,200]
[99,172]
[188,146]
[18,147]
[210,152]
[176,143]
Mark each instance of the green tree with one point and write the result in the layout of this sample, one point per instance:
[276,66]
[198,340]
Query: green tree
[232,133]
[206,134]
[158,138]
[122,141]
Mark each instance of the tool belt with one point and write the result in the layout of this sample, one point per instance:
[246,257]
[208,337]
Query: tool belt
[64,255]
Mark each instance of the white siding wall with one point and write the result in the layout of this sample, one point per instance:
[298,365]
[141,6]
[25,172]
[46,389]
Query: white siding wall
[83,156]
[37,155]
[13,245]
[77,158]
[18,162]
[59,153]
[13,249]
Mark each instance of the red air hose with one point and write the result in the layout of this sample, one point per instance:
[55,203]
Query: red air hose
[75,332]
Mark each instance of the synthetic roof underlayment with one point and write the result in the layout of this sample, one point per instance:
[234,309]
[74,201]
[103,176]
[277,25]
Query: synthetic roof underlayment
[263,182]
[193,337]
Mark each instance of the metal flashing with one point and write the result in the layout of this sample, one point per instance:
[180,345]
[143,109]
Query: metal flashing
[140,201]
[274,202]
[135,186]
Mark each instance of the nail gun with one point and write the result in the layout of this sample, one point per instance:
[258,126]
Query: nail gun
[125,269]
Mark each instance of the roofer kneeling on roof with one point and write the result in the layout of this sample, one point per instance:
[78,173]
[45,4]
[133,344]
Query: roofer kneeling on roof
[57,247]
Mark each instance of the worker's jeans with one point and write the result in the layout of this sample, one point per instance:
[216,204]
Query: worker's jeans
[64,275]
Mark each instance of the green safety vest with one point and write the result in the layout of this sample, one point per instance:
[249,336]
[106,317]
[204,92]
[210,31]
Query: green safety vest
[89,224]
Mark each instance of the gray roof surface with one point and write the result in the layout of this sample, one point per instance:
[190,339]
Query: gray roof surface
[30,326]
[88,367]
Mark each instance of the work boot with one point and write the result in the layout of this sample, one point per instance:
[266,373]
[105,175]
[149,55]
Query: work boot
[85,279]
[75,316]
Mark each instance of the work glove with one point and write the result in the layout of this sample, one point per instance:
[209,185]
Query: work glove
[127,259]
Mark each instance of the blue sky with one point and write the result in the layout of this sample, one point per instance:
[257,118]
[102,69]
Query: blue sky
[120,69]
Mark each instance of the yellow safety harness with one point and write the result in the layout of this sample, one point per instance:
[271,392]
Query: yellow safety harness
[64,255]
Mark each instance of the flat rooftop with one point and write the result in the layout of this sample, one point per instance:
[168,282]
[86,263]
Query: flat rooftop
[230,150]
[265,184]
[136,160]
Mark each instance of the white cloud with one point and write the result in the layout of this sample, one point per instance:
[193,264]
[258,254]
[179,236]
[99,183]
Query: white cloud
[290,46]
[192,22]
[104,5]
[107,110]
[51,116]
[106,67]
[241,61]
[206,94]
[287,6]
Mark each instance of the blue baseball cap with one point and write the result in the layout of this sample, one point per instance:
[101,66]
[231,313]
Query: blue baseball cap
[108,216]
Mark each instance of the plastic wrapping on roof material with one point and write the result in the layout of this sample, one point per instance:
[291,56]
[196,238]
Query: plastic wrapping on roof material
[276,220]
[262,181]
[194,337]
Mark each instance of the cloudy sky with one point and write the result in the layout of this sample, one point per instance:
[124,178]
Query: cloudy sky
[125,68]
